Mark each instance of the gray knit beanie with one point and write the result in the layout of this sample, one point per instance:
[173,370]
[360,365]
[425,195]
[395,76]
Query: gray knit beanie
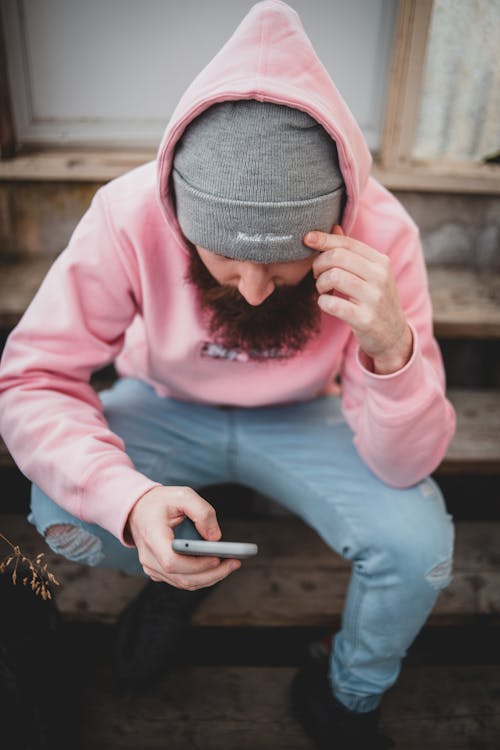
[251,178]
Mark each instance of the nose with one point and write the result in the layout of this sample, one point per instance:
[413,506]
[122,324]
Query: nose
[255,283]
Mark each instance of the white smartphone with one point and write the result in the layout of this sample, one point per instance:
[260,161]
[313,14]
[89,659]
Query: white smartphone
[200,548]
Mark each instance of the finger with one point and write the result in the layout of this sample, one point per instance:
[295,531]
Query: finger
[345,259]
[185,566]
[184,501]
[202,514]
[322,241]
[162,560]
[158,555]
[340,308]
[345,282]
[193,564]
[226,567]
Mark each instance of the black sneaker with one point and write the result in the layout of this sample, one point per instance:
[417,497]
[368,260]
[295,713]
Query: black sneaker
[328,722]
[148,633]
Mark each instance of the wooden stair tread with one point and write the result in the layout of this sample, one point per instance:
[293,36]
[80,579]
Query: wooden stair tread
[221,708]
[19,280]
[475,447]
[295,580]
[465,303]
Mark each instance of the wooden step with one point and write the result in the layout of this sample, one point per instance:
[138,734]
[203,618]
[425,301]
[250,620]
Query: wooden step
[19,280]
[475,447]
[466,303]
[295,580]
[249,708]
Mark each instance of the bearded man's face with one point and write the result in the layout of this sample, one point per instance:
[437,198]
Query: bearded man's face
[260,309]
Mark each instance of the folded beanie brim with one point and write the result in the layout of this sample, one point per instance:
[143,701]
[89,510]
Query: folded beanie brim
[227,226]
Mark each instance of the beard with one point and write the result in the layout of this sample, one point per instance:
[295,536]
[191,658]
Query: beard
[279,327]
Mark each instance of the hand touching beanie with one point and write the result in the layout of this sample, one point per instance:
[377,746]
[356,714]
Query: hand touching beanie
[251,178]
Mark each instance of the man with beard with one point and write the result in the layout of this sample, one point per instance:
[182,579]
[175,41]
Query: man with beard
[233,283]
[278,325]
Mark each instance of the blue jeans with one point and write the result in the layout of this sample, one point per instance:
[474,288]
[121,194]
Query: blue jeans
[400,541]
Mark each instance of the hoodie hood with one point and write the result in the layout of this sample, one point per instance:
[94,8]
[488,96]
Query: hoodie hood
[270,58]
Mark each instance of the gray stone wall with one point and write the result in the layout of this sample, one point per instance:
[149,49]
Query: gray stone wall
[457,229]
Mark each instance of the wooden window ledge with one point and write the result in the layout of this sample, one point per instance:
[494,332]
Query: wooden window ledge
[101,165]
[79,165]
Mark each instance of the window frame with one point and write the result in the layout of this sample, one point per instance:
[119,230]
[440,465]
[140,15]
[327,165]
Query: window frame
[393,166]
[7,133]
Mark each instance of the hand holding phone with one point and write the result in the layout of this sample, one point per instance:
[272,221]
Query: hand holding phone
[152,522]
[200,547]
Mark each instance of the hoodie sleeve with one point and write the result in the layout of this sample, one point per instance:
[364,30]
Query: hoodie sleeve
[50,417]
[402,422]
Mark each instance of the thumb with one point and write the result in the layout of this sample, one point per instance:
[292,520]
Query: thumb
[337,229]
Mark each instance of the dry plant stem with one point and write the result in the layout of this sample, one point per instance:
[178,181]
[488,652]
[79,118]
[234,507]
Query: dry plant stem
[41,577]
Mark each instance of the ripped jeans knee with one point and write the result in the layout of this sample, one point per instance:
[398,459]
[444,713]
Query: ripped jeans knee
[75,543]
[440,576]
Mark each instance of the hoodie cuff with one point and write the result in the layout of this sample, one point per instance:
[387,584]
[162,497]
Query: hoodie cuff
[118,489]
[401,385]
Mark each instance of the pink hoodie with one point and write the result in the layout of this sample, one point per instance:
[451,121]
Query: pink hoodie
[117,292]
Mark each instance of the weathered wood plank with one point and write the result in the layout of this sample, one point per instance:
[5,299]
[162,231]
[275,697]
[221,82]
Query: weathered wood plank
[466,303]
[221,708]
[7,127]
[96,165]
[405,82]
[18,283]
[295,580]
[475,447]
[38,218]
[100,165]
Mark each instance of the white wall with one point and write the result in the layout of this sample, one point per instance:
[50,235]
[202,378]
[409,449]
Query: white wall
[110,72]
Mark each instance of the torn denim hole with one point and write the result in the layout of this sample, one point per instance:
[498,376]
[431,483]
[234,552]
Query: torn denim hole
[439,576]
[76,545]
